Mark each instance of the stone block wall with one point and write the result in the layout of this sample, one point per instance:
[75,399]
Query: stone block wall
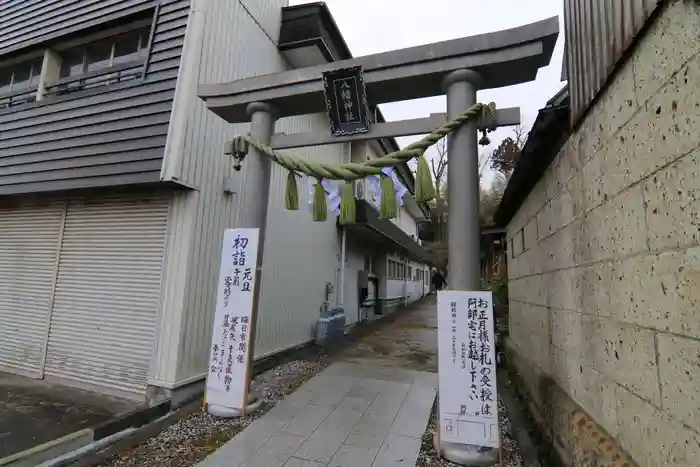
[604,262]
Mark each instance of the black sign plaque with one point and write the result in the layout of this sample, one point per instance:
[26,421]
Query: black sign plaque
[346,101]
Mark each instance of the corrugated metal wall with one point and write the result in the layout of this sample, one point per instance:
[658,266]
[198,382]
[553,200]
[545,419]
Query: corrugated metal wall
[107,292]
[305,253]
[29,241]
[598,32]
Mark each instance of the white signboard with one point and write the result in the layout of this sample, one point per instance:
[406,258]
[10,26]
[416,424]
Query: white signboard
[228,364]
[467,369]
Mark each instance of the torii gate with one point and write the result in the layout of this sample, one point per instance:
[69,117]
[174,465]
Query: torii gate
[456,68]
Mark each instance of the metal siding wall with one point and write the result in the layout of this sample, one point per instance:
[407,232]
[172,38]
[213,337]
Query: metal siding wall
[100,137]
[302,255]
[198,219]
[598,33]
[108,292]
[25,23]
[268,14]
[176,276]
[29,234]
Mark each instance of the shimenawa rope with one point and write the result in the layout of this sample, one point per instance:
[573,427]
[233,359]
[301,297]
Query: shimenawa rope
[425,190]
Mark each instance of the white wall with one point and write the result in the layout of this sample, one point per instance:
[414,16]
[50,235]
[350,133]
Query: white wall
[406,222]
[394,287]
[300,255]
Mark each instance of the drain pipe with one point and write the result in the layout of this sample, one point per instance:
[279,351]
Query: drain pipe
[405,281]
[341,285]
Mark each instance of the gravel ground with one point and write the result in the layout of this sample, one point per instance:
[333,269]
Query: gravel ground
[193,438]
[509,446]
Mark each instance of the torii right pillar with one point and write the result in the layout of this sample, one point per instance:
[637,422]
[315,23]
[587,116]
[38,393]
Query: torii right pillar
[463,184]
[463,226]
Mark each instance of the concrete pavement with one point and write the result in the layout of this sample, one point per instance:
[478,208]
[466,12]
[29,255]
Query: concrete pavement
[359,412]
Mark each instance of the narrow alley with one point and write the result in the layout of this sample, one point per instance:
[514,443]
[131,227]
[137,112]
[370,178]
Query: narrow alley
[371,404]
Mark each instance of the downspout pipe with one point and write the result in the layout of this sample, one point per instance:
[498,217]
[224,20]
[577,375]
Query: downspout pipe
[341,285]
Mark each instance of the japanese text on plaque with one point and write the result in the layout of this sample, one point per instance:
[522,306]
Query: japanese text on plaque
[232,322]
[468,395]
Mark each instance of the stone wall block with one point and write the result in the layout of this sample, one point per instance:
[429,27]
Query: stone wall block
[672,203]
[652,437]
[679,366]
[665,48]
[628,356]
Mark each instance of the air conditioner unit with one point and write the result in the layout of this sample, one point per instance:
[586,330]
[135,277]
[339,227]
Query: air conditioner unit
[358,188]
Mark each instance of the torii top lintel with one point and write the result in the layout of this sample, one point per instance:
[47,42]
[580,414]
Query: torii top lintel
[502,58]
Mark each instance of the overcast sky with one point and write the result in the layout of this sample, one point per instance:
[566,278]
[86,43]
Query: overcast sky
[373,26]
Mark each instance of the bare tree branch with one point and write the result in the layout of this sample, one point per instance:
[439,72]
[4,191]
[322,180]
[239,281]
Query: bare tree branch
[520,134]
[505,157]
[439,169]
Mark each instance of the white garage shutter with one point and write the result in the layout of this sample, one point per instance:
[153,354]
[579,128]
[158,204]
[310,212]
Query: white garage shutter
[29,235]
[108,292]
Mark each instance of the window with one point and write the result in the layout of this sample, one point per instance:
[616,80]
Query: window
[117,52]
[18,83]
[368,263]
[410,272]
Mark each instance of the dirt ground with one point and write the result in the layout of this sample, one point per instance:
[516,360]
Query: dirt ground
[409,342]
[33,412]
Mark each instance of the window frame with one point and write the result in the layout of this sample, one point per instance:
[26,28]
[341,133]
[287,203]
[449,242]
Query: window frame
[30,59]
[61,85]
[145,17]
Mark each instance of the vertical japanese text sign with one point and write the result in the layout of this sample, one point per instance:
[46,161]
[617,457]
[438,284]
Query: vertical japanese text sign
[467,369]
[346,101]
[227,381]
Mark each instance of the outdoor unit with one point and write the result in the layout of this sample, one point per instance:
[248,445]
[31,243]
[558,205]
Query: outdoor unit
[358,188]
[363,190]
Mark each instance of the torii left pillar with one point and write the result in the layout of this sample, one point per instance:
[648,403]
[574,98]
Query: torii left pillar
[253,214]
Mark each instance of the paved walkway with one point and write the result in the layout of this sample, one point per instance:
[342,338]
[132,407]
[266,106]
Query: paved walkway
[370,409]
